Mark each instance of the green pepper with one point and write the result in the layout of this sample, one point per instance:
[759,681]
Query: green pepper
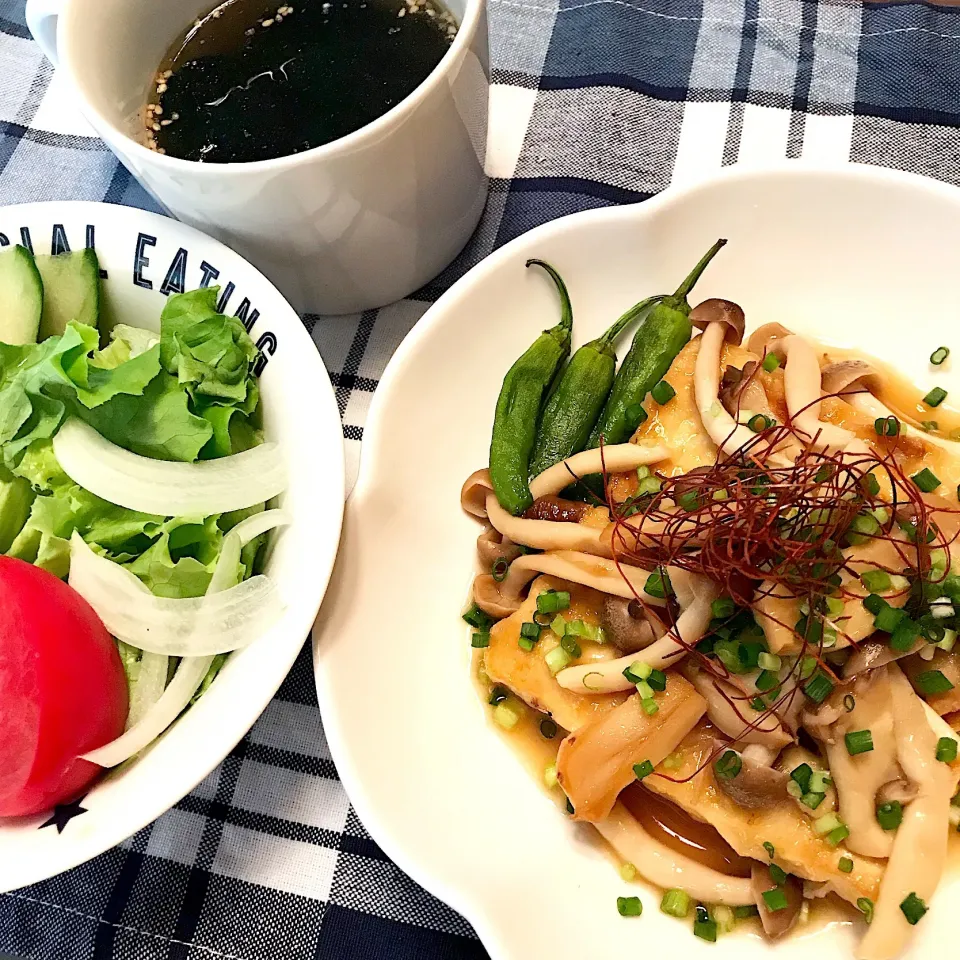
[656,344]
[518,406]
[576,402]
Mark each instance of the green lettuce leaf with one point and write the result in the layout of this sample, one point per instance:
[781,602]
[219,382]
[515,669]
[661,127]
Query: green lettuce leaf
[159,424]
[209,353]
[181,561]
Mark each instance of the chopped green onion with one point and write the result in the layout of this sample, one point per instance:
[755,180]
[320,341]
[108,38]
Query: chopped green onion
[875,580]
[530,630]
[498,694]
[688,501]
[849,702]
[874,604]
[775,899]
[946,749]
[507,714]
[881,515]
[766,681]
[723,917]
[548,728]
[827,823]
[905,634]
[480,640]
[650,706]
[926,480]
[807,667]
[818,687]
[769,847]
[703,926]
[758,705]
[663,392]
[778,875]
[628,872]
[862,528]
[812,800]
[550,776]
[675,903]
[890,815]
[657,680]
[887,426]
[793,789]
[871,484]
[801,775]
[525,643]
[932,682]
[728,765]
[949,640]
[835,607]
[499,569]
[930,426]
[845,865]
[559,625]
[836,837]
[865,906]
[771,361]
[569,643]
[935,397]
[746,911]
[643,471]
[648,486]
[658,584]
[769,661]
[939,355]
[760,422]
[722,607]
[553,601]
[636,414]
[637,671]
[720,495]
[477,618]
[557,659]
[858,741]
[629,906]
[913,908]
[819,781]
[643,769]
[645,690]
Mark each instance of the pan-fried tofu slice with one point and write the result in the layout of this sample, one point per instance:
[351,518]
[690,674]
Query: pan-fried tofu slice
[527,674]
[799,849]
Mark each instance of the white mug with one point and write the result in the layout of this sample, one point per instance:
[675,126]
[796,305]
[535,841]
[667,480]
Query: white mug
[351,225]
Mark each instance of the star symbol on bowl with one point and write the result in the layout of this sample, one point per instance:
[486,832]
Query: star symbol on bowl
[63,813]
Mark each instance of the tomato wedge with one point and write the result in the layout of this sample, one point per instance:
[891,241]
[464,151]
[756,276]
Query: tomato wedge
[62,690]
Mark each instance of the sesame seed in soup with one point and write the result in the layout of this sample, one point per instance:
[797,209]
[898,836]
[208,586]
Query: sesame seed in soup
[250,81]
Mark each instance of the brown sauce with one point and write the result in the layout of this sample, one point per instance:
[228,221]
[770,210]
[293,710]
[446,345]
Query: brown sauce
[676,829]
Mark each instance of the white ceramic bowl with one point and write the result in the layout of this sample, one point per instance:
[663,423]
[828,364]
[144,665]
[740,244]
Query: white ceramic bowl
[856,256]
[300,413]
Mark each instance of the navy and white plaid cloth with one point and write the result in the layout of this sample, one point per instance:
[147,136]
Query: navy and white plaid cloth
[594,102]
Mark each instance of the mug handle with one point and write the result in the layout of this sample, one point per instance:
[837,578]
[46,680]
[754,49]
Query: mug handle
[42,16]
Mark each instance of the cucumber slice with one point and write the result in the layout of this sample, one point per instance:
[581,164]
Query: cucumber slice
[21,296]
[16,499]
[71,291]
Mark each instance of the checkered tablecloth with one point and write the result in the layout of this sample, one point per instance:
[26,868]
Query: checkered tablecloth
[594,102]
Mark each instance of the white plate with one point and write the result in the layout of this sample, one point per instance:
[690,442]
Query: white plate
[140,252]
[856,256]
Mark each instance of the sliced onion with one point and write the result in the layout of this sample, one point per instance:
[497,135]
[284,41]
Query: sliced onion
[148,687]
[196,627]
[171,704]
[251,528]
[164,487]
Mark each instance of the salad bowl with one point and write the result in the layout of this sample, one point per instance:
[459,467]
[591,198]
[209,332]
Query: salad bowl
[852,256]
[143,259]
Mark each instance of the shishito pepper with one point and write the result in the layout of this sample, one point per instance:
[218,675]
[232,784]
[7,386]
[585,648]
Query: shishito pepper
[575,404]
[518,407]
[656,344]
